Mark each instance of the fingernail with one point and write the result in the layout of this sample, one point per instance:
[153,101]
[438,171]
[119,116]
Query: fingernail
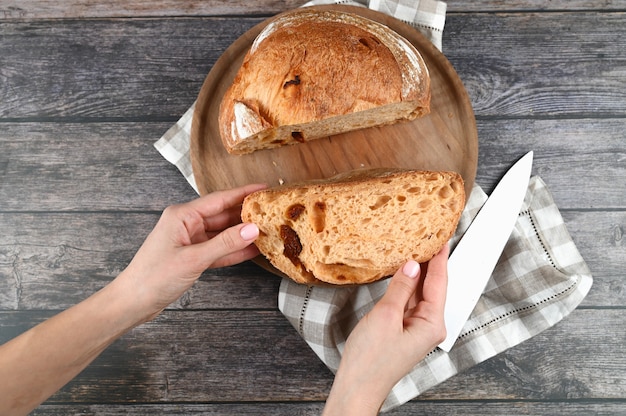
[411,269]
[249,232]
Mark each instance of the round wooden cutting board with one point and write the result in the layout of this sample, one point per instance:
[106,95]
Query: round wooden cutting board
[446,139]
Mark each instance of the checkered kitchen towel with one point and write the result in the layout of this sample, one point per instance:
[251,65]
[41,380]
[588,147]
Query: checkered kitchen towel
[540,277]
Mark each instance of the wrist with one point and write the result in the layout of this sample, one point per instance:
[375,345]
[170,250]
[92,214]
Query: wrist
[129,301]
[340,404]
[349,397]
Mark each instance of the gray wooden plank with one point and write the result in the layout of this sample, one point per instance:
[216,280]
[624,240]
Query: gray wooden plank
[114,166]
[513,65]
[120,69]
[548,81]
[533,5]
[534,64]
[41,9]
[70,167]
[417,407]
[581,160]
[600,240]
[243,409]
[239,356]
[579,358]
[215,356]
[52,261]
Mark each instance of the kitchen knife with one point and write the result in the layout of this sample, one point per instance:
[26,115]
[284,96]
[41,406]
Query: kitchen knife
[471,263]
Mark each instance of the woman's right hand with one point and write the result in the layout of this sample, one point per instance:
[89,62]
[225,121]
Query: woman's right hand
[404,326]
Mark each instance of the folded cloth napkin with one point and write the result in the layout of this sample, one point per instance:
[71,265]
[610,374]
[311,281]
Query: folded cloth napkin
[539,279]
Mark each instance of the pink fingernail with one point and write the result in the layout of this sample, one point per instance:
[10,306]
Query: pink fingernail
[249,232]
[411,269]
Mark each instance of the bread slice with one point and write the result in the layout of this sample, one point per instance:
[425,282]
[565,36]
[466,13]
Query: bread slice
[312,74]
[356,227]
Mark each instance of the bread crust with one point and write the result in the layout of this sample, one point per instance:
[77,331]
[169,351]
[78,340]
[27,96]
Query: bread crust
[312,74]
[357,227]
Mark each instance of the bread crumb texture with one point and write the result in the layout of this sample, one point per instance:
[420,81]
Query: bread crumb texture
[358,227]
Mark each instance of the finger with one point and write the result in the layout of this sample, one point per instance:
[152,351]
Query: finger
[219,201]
[436,280]
[237,257]
[229,241]
[402,285]
[430,308]
[224,219]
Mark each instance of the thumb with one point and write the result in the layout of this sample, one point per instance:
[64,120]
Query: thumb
[226,245]
[403,284]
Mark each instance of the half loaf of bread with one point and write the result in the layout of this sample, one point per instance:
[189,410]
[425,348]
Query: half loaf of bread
[312,74]
[356,227]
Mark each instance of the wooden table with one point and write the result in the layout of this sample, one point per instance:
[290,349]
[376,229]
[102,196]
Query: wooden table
[86,89]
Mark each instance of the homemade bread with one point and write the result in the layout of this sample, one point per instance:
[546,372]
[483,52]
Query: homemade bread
[356,227]
[312,74]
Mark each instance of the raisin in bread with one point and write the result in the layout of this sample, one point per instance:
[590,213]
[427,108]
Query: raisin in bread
[356,227]
[315,73]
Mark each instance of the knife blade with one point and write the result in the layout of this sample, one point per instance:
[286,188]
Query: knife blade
[471,263]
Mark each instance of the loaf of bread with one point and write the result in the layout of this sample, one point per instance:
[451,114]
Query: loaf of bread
[356,227]
[312,74]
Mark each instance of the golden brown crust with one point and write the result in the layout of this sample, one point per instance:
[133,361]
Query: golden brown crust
[308,66]
[356,227]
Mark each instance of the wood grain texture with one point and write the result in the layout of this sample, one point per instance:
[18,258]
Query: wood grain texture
[443,140]
[512,65]
[233,356]
[119,69]
[87,167]
[87,87]
[113,166]
[42,9]
[52,261]
[468,408]
[535,65]
[213,356]
[570,155]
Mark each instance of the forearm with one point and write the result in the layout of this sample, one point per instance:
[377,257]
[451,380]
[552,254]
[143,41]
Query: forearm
[350,404]
[36,364]
[355,394]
